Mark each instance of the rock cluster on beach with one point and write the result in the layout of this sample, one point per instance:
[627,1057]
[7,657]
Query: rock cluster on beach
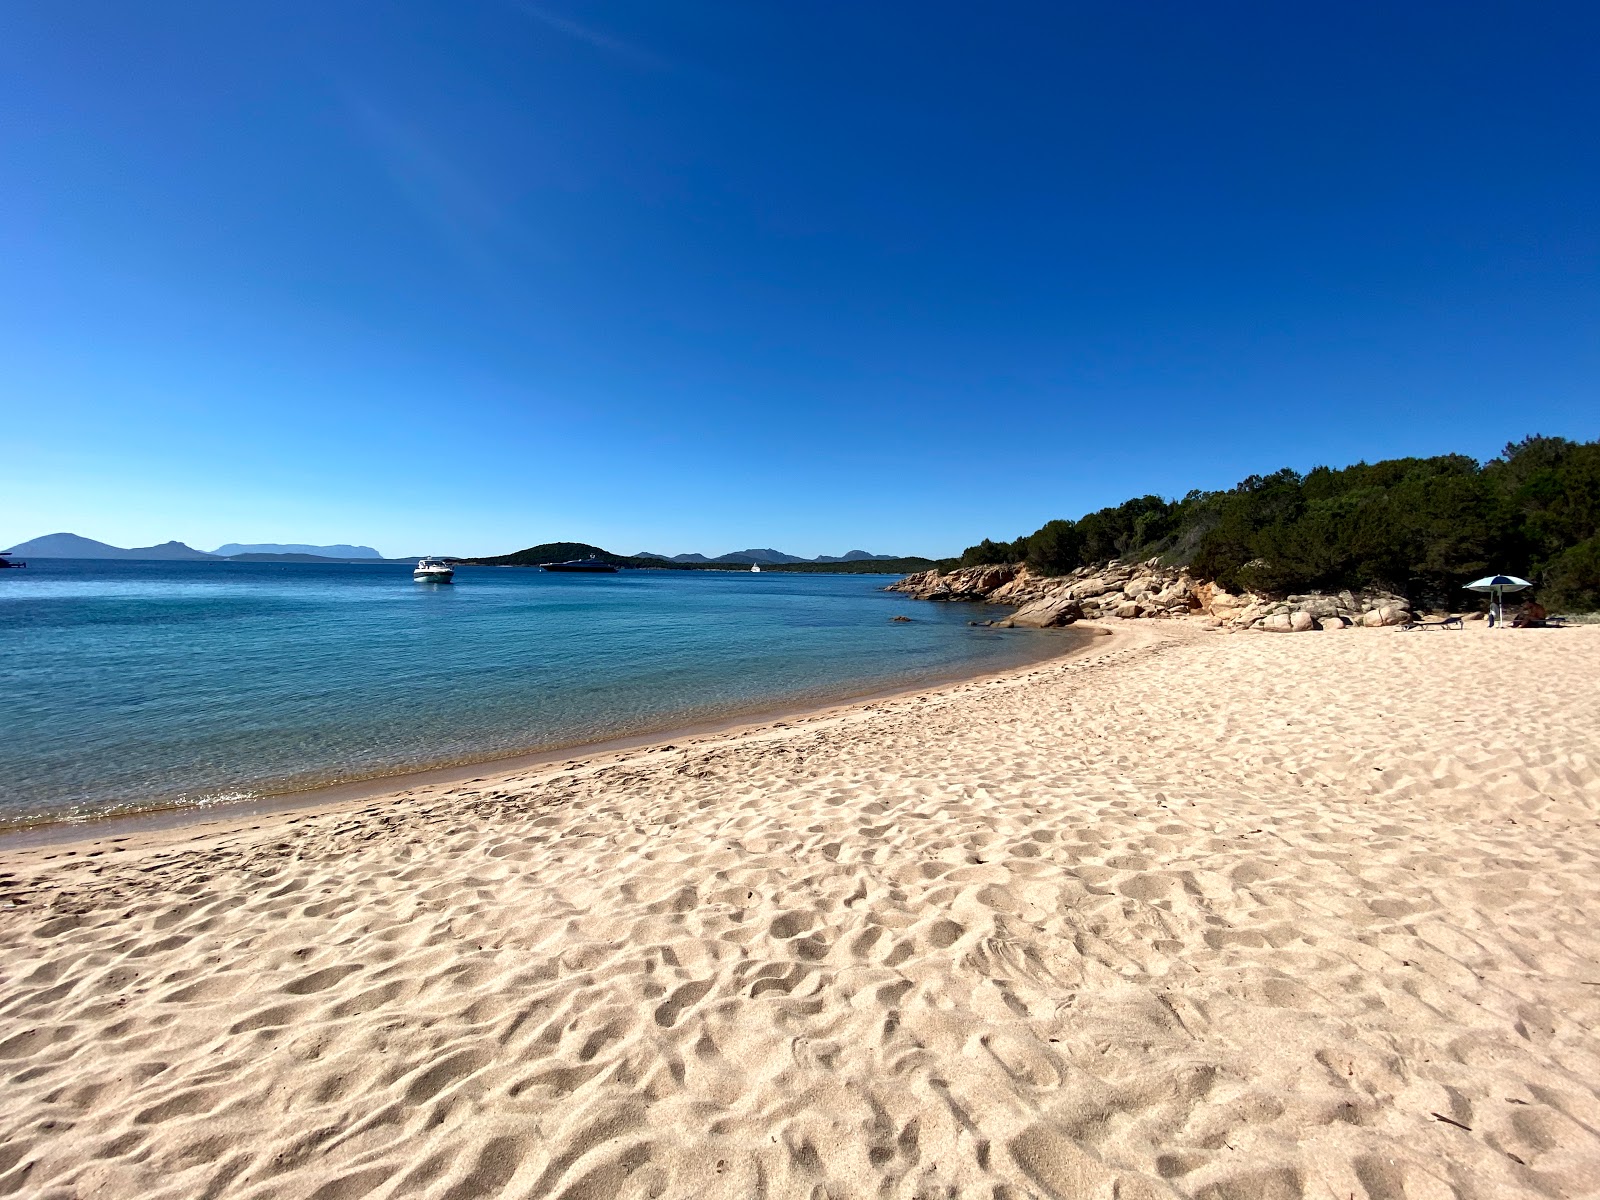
[1127,591]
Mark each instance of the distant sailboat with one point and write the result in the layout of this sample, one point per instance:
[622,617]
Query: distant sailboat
[755,568]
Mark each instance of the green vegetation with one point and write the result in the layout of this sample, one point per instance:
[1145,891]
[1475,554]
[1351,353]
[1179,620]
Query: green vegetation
[550,552]
[554,552]
[1419,526]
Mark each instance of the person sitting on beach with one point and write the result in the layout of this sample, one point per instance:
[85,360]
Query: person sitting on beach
[1530,614]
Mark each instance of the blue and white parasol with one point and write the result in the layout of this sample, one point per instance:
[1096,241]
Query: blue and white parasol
[1497,586]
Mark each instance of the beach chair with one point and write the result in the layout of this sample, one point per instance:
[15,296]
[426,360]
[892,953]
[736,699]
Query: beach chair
[1446,623]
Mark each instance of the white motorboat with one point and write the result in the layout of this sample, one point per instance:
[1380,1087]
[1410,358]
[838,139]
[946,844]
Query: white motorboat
[433,570]
[755,568]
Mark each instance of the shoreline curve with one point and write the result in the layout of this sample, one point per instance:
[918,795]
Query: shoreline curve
[161,818]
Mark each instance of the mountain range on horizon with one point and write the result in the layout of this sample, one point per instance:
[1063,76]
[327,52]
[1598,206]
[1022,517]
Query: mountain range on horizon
[231,549]
[72,545]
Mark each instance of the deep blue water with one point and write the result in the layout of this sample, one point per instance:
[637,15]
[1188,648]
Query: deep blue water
[133,685]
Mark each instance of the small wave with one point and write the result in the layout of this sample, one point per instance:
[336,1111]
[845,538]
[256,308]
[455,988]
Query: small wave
[82,814]
[211,798]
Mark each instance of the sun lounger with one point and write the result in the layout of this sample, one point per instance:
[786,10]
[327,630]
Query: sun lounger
[1446,623]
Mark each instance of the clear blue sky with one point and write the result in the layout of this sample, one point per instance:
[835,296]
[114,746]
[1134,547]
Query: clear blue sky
[465,275]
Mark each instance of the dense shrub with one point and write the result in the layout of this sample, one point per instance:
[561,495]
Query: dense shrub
[1418,526]
[1573,578]
[1056,548]
[986,553]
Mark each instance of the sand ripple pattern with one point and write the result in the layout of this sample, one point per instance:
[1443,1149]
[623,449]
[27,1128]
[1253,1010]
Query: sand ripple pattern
[1190,915]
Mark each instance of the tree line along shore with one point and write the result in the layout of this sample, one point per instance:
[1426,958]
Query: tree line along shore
[1411,530]
[1415,528]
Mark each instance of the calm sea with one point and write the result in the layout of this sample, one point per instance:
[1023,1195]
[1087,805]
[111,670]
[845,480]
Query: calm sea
[148,685]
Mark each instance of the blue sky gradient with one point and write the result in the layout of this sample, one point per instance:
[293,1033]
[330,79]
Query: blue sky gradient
[462,277]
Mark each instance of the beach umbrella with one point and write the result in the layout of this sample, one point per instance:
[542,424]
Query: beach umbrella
[1497,586]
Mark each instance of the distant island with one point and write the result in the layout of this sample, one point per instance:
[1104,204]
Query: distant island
[234,549]
[857,562]
[773,557]
[853,562]
[71,545]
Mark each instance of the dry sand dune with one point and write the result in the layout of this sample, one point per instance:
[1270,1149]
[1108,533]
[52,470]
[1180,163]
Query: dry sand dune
[1190,914]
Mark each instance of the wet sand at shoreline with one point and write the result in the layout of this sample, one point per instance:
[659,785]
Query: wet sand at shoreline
[1188,914]
[251,808]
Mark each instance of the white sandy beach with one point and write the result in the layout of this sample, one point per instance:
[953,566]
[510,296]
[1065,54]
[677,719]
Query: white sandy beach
[1190,914]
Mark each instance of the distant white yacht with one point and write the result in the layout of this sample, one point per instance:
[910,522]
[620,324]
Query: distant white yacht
[755,568]
[433,570]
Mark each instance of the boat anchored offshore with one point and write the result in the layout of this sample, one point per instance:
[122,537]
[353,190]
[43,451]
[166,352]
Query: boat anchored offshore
[755,568]
[592,565]
[7,561]
[434,570]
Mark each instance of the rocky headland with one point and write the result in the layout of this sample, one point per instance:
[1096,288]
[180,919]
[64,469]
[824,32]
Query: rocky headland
[1130,591]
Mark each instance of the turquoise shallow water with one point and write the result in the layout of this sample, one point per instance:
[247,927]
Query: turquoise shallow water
[137,685]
